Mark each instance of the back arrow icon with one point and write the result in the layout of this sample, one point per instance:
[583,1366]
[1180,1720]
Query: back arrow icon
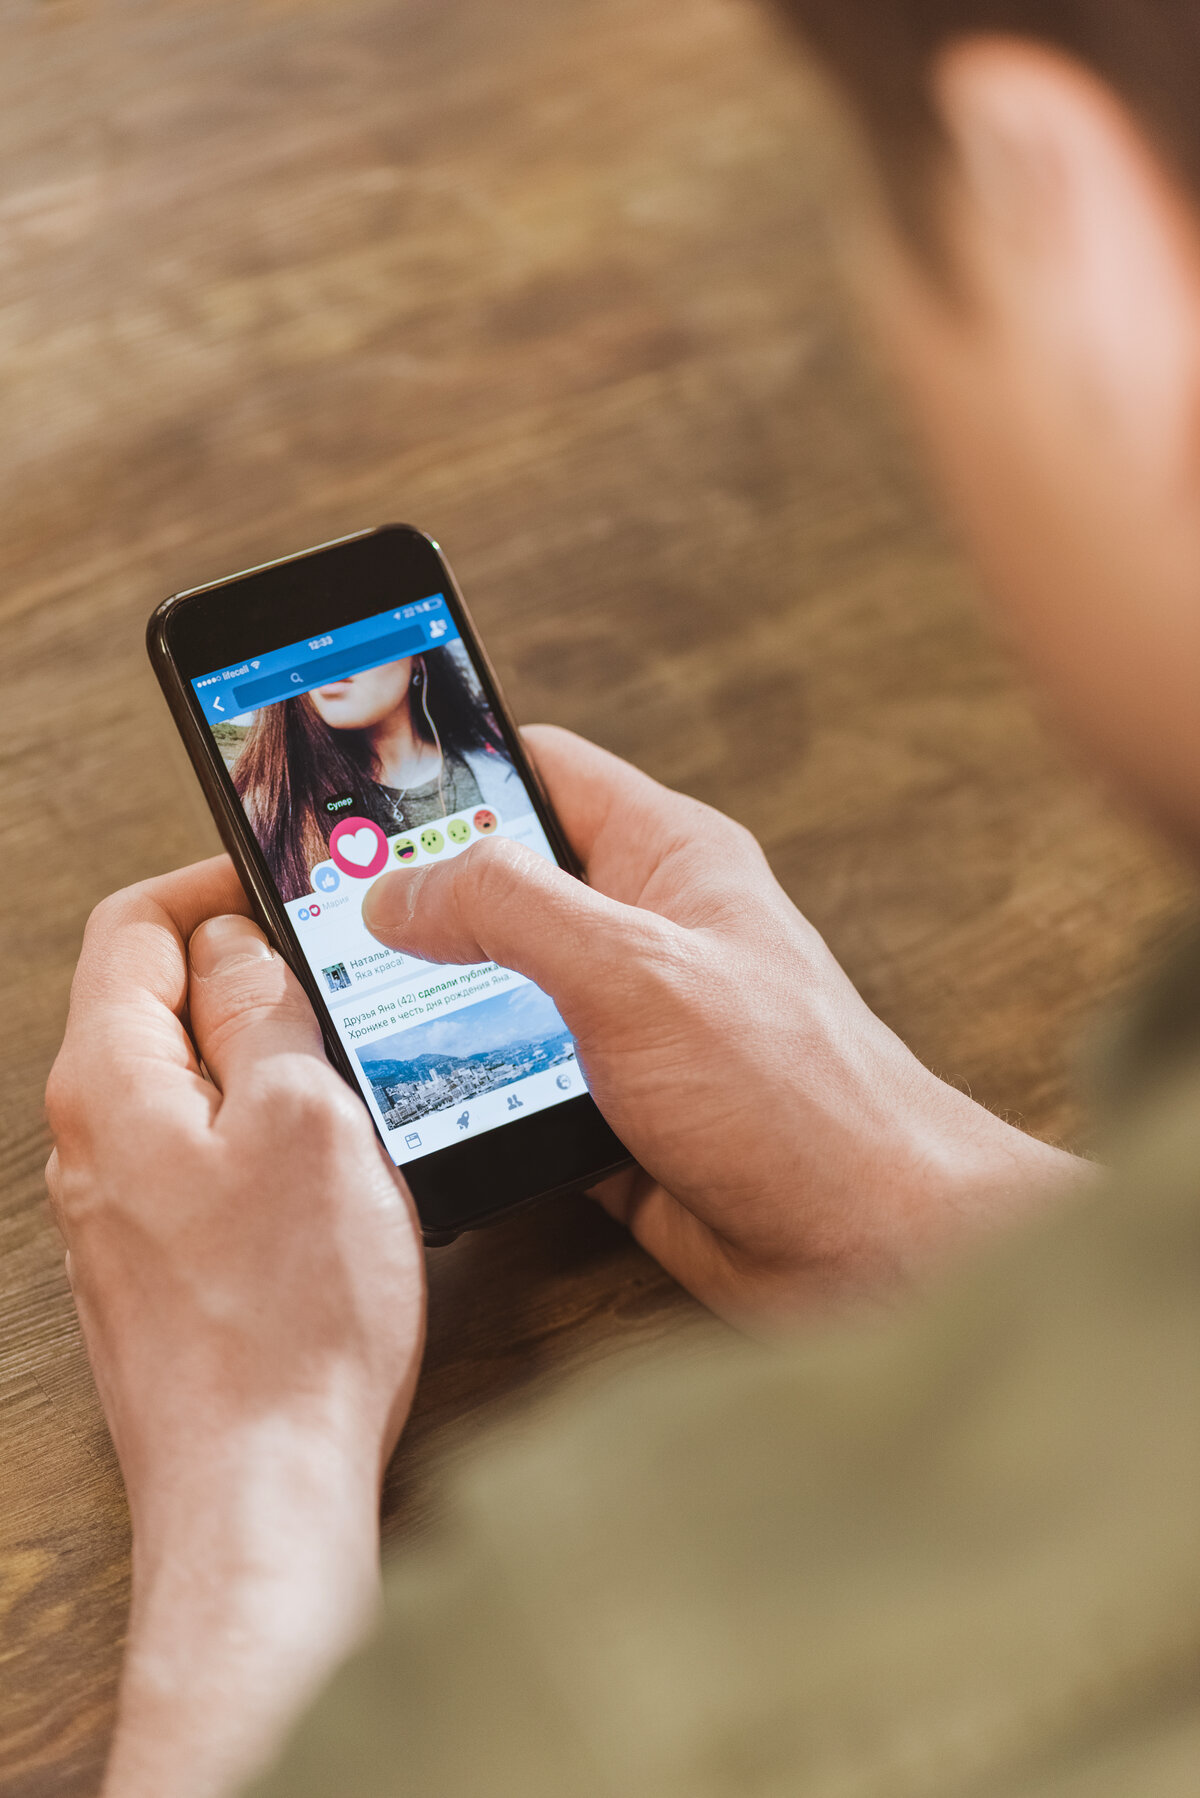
[217,706]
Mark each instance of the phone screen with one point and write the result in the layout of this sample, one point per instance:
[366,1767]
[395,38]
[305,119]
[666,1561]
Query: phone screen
[370,747]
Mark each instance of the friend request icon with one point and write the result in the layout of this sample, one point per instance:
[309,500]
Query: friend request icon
[358,847]
[515,1103]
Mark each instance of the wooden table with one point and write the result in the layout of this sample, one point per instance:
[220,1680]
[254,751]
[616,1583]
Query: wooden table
[551,280]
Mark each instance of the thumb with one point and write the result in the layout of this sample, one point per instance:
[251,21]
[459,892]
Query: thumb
[503,902]
[244,1002]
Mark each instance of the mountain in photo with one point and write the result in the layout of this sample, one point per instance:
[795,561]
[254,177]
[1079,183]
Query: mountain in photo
[472,1050]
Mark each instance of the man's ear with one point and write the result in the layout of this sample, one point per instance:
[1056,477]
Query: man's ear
[1076,236]
[1054,373]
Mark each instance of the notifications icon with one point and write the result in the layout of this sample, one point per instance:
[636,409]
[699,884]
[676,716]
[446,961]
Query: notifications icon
[358,847]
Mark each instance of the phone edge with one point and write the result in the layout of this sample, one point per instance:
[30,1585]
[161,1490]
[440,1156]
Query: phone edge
[234,828]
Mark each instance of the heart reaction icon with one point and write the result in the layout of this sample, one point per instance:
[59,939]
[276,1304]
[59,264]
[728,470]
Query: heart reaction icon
[358,847]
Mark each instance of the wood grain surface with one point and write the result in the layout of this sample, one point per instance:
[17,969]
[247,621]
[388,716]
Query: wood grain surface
[552,281]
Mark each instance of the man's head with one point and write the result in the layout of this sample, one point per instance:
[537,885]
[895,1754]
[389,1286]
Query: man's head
[1037,288]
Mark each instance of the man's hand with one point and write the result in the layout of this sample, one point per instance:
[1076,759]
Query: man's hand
[249,1279]
[789,1143]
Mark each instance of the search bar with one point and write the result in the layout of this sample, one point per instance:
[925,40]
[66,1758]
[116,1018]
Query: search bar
[322,669]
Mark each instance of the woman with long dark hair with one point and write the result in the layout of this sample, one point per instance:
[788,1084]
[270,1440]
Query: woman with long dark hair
[410,741]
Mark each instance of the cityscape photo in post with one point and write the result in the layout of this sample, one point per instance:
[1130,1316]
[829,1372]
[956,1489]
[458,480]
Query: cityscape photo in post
[368,748]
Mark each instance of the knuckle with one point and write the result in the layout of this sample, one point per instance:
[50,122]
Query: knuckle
[71,1185]
[115,910]
[718,827]
[662,967]
[251,997]
[62,1096]
[309,1114]
[741,837]
[53,1178]
[493,874]
[301,1093]
[251,987]
[496,865]
[668,956]
[219,1034]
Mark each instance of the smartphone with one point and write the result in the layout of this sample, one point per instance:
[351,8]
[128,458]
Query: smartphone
[343,719]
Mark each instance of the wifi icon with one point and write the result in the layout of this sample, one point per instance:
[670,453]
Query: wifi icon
[254,664]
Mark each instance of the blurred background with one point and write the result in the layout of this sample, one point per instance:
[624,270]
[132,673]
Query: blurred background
[554,282]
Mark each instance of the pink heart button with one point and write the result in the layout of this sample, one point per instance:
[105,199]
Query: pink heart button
[358,847]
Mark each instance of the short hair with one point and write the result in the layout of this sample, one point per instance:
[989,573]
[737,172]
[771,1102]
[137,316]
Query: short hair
[881,53]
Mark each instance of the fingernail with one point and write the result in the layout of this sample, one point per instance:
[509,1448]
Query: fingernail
[220,941]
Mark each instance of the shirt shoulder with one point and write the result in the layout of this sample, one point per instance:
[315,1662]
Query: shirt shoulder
[946,1551]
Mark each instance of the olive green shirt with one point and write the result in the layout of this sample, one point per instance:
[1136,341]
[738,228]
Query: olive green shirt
[953,1552]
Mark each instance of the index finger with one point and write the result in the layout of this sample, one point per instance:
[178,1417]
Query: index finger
[129,994]
[585,784]
[640,842]
[135,943]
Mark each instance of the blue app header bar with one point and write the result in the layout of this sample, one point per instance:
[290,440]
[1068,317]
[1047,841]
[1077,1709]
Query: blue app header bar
[319,661]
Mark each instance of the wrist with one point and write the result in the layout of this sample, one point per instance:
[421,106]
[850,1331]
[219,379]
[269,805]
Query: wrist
[969,1172]
[255,1491]
[917,1168]
[255,1569]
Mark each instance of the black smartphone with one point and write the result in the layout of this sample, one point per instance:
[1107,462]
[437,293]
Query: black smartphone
[343,719]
